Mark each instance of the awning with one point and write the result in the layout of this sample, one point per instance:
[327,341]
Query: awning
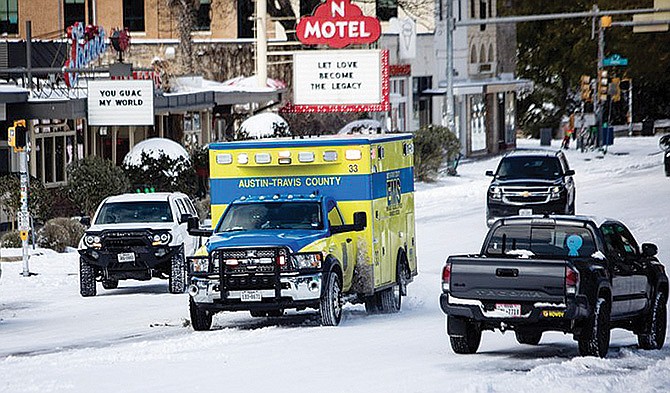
[73,108]
[491,85]
[11,94]
[183,102]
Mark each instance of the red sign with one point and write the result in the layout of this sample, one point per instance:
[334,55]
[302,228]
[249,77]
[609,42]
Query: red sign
[338,23]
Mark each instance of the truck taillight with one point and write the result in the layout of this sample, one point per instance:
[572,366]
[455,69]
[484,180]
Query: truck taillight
[571,280]
[446,276]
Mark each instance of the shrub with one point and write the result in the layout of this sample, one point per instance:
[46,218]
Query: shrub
[203,207]
[92,179]
[163,174]
[59,233]
[11,239]
[433,146]
[39,201]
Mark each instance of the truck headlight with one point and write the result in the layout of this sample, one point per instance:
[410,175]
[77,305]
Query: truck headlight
[556,192]
[307,260]
[495,192]
[161,239]
[92,241]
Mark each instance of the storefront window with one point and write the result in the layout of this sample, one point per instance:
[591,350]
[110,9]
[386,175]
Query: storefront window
[54,149]
[510,118]
[477,123]
[192,130]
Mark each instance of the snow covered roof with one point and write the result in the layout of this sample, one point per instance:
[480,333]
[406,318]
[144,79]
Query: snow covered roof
[363,126]
[154,147]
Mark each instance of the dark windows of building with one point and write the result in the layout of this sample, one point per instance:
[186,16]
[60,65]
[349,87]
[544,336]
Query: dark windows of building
[203,18]
[472,9]
[73,11]
[422,107]
[440,9]
[245,21]
[9,17]
[307,6]
[387,9]
[482,13]
[133,15]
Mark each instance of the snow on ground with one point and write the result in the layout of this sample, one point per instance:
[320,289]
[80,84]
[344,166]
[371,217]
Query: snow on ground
[136,338]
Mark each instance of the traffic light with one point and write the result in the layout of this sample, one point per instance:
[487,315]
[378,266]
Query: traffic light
[20,133]
[585,88]
[603,85]
[17,135]
[605,21]
[615,89]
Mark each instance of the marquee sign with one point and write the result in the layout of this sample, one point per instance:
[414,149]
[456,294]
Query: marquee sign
[87,45]
[338,23]
[120,102]
[340,81]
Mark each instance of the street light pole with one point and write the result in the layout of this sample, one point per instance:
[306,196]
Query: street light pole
[449,35]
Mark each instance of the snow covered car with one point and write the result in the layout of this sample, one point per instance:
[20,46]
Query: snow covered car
[137,236]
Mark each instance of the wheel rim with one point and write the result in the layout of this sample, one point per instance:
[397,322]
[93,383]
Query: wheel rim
[337,306]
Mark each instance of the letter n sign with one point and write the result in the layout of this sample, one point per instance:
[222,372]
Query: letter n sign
[338,23]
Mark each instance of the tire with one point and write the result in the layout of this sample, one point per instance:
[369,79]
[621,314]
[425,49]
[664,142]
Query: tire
[529,338]
[655,322]
[110,284]
[200,319]
[87,286]
[469,342]
[594,339]
[330,305]
[390,299]
[177,280]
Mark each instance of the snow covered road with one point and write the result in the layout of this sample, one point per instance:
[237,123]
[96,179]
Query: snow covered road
[137,338]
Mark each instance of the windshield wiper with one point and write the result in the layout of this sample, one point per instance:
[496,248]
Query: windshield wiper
[234,229]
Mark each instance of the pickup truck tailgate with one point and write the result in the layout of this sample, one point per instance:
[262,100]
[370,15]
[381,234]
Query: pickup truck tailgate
[505,279]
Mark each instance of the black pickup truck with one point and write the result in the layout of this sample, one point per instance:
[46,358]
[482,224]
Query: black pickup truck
[572,274]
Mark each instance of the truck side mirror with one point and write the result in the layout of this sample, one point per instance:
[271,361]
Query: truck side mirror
[191,222]
[360,221]
[570,172]
[85,221]
[185,218]
[489,173]
[649,249]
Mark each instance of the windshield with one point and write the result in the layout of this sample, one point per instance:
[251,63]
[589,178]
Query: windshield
[271,215]
[529,167]
[131,212]
[558,241]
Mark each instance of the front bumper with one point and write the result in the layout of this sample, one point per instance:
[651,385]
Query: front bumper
[537,313]
[296,291]
[146,257]
[497,209]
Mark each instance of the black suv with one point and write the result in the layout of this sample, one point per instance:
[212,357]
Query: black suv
[664,144]
[530,182]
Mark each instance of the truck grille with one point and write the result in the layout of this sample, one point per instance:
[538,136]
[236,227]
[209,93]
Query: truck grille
[526,195]
[125,239]
[248,268]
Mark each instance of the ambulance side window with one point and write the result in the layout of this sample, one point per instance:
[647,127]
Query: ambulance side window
[334,216]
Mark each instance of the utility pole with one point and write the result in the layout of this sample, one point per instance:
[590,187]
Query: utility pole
[261,43]
[599,107]
[449,35]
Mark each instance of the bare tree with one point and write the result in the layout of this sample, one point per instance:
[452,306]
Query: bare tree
[185,13]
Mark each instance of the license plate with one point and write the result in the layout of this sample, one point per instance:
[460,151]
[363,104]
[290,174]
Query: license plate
[126,257]
[525,212]
[251,296]
[512,310]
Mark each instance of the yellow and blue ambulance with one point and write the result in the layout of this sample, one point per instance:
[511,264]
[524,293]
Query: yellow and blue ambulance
[307,224]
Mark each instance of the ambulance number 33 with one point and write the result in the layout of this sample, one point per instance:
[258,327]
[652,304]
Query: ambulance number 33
[353,168]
